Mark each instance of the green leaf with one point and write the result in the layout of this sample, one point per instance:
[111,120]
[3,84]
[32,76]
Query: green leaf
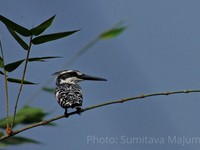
[17,140]
[47,89]
[1,134]
[3,121]
[1,73]
[19,81]
[12,66]
[1,142]
[26,115]
[112,33]
[1,62]
[31,115]
[43,26]
[12,25]
[52,37]
[42,59]
[18,39]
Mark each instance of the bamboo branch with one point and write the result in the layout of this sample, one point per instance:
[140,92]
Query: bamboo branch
[44,122]
[22,81]
[6,86]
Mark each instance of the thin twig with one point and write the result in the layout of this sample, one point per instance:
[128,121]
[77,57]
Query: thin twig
[22,81]
[44,122]
[6,85]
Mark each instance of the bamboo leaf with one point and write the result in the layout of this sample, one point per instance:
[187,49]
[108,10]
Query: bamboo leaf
[13,80]
[52,37]
[31,115]
[1,134]
[26,115]
[3,121]
[12,66]
[43,26]
[42,59]
[1,73]
[47,89]
[17,140]
[12,25]
[18,39]
[112,33]
[3,145]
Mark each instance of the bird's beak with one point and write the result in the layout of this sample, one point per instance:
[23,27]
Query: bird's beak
[88,77]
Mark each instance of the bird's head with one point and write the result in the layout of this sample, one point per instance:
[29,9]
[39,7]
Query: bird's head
[73,77]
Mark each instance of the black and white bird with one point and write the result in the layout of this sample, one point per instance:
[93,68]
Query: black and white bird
[68,93]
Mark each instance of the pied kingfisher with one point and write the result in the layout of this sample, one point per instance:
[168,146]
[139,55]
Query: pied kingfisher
[68,93]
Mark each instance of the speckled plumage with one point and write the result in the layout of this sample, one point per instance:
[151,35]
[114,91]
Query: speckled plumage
[69,95]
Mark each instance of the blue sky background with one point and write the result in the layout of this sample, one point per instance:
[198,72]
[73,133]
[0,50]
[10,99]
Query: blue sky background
[160,51]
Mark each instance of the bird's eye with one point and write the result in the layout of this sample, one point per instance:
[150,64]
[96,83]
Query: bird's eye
[74,74]
[64,76]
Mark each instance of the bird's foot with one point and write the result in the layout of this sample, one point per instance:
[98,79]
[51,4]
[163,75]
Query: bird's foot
[78,110]
[66,114]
